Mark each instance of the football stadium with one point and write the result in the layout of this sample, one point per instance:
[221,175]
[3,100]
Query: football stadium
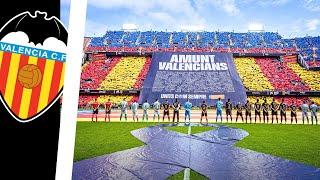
[198,105]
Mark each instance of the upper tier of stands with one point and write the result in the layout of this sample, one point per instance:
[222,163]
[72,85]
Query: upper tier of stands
[309,47]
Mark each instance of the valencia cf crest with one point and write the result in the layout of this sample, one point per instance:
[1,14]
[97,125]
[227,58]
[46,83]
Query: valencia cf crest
[32,63]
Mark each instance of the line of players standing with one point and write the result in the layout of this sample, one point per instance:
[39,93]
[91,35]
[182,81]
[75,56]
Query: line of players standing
[257,107]
[274,107]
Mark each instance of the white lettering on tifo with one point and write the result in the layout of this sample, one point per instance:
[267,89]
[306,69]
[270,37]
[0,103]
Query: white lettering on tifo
[183,62]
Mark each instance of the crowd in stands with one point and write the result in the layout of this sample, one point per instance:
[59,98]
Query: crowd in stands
[311,78]
[194,39]
[94,72]
[143,74]
[266,74]
[116,73]
[250,42]
[124,74]
[309,47]
[250,73]
[313,63]
[257,74]
[280,75]
[315,99]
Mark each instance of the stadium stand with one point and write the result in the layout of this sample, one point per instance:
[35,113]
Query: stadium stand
[257,74]
[85,100]
[252,77]
[311,78]
[280,75]
[116,73]
[143,74]
[94,72]
[263,74]
[255,42]
[124,74]
[315,99]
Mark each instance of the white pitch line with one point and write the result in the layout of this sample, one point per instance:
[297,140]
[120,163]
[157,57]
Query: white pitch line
[186,175]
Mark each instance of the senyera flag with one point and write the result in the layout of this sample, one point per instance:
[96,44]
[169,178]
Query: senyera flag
[31,69]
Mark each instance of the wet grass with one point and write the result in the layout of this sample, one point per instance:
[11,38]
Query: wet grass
[299,143]
[193,176]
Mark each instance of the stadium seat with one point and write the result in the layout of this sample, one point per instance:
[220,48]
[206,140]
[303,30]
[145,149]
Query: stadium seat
[280,75]
[124,75]
[93,72]
[251,75]
[310,78]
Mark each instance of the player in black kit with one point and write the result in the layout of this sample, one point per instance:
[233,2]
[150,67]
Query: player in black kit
[166,107]
[274,110]
[257,111]
[248,108]
[204,112]
[239,111]
[176,107]
[229,109]
[283,108]
[265,111]
[293,110]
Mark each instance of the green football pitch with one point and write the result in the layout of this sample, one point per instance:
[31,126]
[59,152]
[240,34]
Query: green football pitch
[294,142]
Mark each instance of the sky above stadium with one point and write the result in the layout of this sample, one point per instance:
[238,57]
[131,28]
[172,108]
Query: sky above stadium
[291,18]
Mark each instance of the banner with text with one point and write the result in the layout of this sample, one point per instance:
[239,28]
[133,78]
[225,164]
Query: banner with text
[193,76]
